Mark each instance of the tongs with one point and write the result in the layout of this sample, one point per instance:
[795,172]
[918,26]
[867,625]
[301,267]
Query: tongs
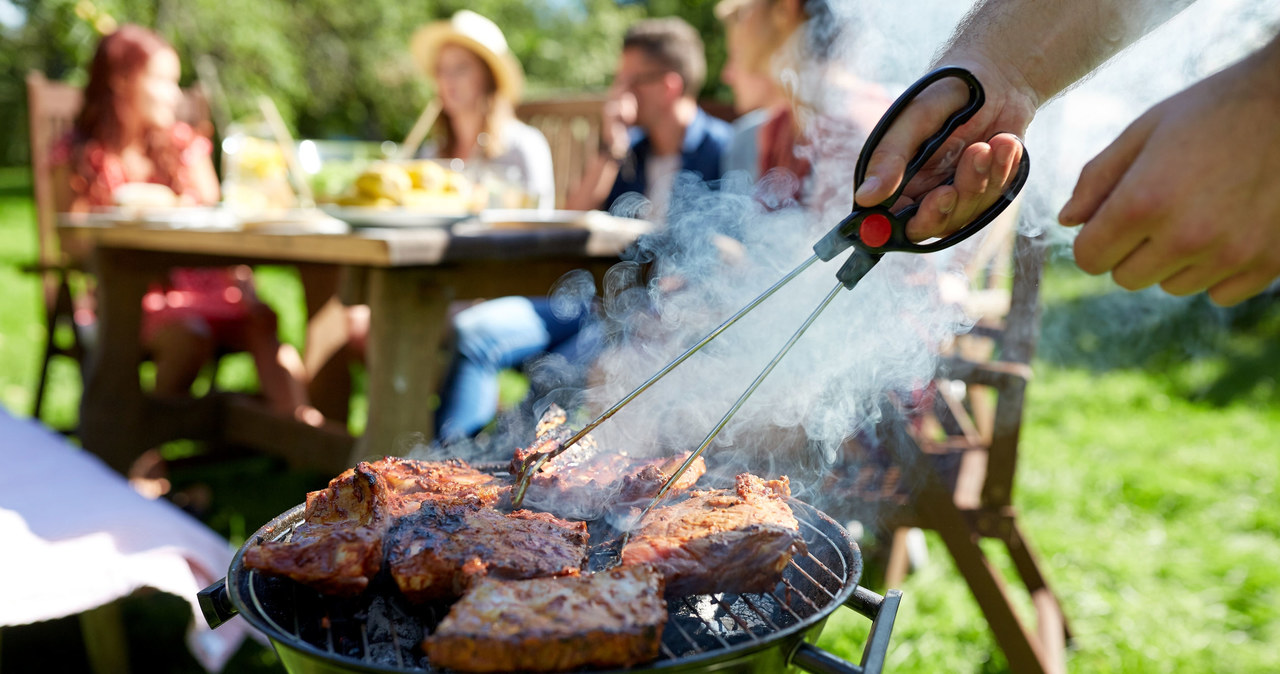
[871,232]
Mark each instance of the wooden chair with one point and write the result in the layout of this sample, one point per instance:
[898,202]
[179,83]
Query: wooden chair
[572,128]
[52,108]
[949,467]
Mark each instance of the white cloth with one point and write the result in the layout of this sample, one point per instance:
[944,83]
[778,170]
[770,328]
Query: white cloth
[77,536]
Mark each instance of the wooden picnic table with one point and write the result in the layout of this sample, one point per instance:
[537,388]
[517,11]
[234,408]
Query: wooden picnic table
[413,274]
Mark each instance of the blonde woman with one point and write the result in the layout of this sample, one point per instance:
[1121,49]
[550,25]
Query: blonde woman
[478,82]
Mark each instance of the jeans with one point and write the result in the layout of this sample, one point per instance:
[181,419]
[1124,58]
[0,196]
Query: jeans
[505,333]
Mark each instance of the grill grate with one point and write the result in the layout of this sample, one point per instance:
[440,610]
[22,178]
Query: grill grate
[381,631]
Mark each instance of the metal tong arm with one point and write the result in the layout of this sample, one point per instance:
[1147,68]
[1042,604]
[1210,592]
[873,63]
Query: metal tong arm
[528,471]
[742,399]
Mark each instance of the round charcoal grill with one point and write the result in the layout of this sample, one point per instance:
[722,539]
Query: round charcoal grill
[381,632]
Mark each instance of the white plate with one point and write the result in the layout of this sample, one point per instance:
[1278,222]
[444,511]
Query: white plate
[532,217]
[392,217]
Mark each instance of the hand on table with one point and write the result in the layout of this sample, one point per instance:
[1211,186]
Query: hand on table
[983,153]
[1189,195]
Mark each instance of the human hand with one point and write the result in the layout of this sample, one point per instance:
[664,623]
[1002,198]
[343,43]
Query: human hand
[1189,195]
[983,153]
[618,114]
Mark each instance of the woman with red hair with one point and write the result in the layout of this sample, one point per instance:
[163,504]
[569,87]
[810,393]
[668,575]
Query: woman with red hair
[128,148]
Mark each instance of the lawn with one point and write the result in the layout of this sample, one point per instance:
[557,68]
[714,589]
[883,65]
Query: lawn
[1151,457]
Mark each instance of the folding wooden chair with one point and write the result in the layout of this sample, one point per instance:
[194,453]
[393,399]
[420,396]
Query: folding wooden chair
[948,466]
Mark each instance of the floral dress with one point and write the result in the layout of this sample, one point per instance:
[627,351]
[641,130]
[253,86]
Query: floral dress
[218,296]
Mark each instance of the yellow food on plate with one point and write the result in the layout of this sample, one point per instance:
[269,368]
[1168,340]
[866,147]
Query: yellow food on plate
[384,180]
[428,175]
[436,202]
[420,185]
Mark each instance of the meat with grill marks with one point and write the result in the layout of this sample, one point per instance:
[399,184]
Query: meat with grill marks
[610,619]
[584,480]
[724,540]
[338,547]
[439,551]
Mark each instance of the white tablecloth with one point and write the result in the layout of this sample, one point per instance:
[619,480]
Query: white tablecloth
[76,536]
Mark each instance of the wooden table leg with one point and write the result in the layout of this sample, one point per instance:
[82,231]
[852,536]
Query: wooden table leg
[112,407]
[118,421]
[408,323]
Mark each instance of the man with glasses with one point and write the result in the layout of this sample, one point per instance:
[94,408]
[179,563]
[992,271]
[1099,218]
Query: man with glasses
[653,128]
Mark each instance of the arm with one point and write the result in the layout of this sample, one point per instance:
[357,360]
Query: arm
[1024,53]
[1189,195]
[204,182]
[602,169]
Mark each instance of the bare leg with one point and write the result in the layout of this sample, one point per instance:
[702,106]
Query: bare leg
[180,349]
[280,371]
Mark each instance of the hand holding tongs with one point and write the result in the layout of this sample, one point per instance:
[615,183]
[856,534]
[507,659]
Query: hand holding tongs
[871,232]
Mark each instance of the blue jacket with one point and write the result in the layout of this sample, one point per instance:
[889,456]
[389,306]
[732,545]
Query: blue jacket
[705,142]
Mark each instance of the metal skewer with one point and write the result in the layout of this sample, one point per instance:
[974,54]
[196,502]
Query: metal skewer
[527,472]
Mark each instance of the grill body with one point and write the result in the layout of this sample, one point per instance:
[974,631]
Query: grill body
[732,633]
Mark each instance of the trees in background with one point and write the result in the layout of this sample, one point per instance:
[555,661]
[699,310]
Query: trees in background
[335,68]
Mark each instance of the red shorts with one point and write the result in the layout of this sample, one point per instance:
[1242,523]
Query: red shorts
[213,296]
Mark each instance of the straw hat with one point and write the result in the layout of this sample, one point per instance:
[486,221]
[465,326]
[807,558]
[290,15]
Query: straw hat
[480,36]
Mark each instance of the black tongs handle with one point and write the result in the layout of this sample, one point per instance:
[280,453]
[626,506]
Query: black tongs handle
[933,143]
[877,230]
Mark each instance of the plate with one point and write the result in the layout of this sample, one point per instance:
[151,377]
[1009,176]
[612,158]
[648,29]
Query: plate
[392,217]
[501,218]
[532,217]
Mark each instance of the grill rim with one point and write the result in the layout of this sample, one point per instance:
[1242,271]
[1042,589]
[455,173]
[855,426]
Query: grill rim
[239,582]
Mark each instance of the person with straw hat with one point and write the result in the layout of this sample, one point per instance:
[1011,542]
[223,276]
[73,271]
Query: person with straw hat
[478,82]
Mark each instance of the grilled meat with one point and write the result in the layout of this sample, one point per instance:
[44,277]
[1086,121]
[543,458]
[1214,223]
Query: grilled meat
[722,540]
[583,481]
[339,546]
[438,551]
[337,559]
[609,619]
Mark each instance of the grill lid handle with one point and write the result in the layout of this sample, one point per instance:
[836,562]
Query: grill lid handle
[215,604]
[882,611]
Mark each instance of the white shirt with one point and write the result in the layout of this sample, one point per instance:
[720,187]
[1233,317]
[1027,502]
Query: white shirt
[524,164]
[660,178]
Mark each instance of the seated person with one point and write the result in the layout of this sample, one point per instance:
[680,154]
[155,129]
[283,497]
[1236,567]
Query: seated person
[127,135]
[756,96]
[658,77]
[478,82]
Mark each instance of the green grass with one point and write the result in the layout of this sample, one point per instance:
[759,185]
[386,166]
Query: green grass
[1148,485]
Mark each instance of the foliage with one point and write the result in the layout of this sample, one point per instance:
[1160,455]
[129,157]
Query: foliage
[336,69]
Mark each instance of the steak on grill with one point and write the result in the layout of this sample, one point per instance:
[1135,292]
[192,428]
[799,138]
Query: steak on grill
[722,540]
[437,552]
[338,547]
[583,481]
[609,619]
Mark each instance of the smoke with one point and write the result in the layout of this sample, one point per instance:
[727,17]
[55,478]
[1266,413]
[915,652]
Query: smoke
[722,247]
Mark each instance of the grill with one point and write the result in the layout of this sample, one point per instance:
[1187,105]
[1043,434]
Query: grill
[380,632]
